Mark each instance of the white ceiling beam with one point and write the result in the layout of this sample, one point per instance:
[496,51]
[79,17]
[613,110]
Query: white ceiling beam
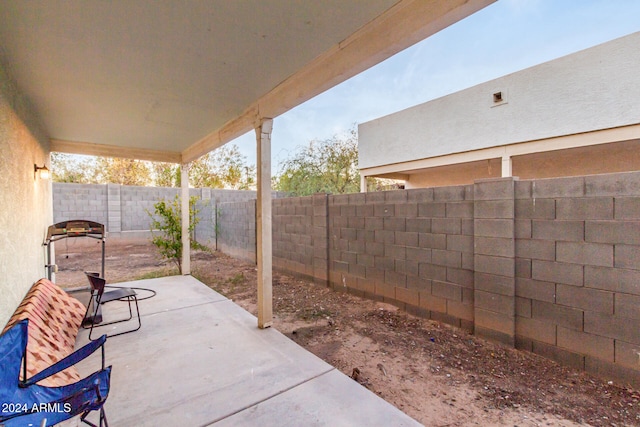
[403,25]
[92,149]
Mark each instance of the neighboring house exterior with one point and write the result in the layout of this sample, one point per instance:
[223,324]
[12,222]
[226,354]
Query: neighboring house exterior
[576,115]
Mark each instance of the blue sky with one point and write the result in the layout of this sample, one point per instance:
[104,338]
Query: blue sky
[505,37]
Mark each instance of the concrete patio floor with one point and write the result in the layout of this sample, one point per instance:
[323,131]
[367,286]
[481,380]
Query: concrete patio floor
[200,360]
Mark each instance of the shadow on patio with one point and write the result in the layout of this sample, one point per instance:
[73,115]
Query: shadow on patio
[199,359]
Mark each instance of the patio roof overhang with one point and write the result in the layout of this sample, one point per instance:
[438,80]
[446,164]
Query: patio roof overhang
[170,81]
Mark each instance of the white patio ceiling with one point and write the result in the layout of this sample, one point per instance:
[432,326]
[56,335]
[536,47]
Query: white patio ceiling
[171,80]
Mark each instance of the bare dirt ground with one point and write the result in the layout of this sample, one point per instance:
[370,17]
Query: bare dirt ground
[439,375]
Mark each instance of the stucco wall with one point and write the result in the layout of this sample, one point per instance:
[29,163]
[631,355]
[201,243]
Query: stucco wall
[458,174]
[623,156]
[25,202]
[589,90]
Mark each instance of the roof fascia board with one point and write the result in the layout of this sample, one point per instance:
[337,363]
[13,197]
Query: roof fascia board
[92,149]
[402,25]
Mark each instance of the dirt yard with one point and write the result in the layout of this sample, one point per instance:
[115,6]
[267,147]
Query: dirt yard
[439,375]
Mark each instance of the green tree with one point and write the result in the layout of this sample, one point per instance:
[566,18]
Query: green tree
[329,166]
[383,184]
[122,171]
[166,228]
[224,167]
[72,168]
[165,174]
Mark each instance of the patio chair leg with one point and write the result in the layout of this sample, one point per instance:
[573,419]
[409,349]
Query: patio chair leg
[103,419]
[129,301]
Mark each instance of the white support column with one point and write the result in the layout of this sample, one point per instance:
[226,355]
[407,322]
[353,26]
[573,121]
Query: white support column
[363,183]
[506,167]
[186,238]
[263,219]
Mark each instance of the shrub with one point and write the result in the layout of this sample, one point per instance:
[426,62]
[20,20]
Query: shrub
[168,222]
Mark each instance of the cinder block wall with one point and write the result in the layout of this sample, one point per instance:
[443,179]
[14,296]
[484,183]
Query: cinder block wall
[79,201]
[300,236]
[578,272]
[124,209]
[236,226]
[293,248]
[551,266]
[410,248]
[494,259]
[135,202]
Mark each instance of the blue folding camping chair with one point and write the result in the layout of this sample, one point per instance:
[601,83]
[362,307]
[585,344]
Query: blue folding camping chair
[24,403]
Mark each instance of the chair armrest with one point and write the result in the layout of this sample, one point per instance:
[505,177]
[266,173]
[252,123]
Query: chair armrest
[86,395]
[68,361]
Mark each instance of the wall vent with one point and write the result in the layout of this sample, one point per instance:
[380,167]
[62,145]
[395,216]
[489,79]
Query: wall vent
[499,97]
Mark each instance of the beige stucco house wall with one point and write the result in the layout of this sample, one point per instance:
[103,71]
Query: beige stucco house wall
[25,201]
[576,115]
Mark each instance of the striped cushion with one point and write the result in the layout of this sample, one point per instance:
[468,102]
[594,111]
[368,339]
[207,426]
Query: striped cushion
[54,319]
